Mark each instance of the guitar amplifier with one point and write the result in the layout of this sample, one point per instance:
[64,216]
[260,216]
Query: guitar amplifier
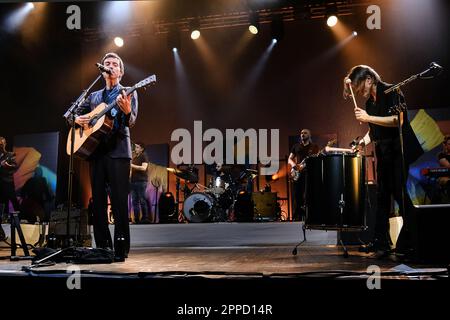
[265,204]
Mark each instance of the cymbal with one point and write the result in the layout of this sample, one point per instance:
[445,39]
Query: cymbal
[184,174]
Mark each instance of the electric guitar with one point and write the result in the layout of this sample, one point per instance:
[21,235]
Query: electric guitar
[298,169]
[87,140]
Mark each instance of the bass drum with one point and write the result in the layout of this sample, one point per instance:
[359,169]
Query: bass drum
[335,192]
[198,207]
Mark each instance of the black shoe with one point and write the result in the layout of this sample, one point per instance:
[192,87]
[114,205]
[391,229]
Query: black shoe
[119,258]
[374,247]
[383,255]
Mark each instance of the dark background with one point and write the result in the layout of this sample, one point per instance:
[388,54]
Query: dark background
[45,66]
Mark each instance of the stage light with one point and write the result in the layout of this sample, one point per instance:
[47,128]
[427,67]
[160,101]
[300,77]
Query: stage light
[332,21]
[118,41]
[331,14]
[173,39]
[167,208]
[254,23]
[195,34]
[277,27]
[253,29]
[17,17]
[274,41]
[194,27]
[355,33]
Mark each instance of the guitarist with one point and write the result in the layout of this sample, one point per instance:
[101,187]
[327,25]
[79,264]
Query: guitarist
[110,163]
[299,152]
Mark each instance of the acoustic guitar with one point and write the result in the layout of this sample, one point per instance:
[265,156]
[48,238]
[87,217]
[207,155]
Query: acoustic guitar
[100,125]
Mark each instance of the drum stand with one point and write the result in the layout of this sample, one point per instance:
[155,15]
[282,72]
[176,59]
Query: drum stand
[294,251]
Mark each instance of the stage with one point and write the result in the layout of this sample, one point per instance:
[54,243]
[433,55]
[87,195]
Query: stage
[174,268]
[233,249]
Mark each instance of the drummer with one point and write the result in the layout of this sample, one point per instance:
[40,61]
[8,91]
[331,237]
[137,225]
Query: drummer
[299,151]
[383,130]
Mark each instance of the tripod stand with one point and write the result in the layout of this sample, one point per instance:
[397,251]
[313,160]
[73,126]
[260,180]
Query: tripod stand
[15,226]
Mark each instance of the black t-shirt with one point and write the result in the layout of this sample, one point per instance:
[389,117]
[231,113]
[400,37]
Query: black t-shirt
[301,151]
[380,108]
[388,137]
[139,175]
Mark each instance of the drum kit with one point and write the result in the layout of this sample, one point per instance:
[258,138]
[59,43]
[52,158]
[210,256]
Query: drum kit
[214,202]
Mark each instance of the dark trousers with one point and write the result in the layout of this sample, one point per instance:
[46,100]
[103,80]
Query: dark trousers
[298,198]
[110,175]
[7,194]
[139,199]
[390,179]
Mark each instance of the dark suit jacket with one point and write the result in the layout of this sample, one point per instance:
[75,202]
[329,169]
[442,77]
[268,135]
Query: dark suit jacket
[118,143]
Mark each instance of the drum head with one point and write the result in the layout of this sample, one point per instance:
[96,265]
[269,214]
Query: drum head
[198,207]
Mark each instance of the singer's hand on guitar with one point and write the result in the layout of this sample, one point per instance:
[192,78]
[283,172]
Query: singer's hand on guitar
[83,121]
[124,102]
[361,115]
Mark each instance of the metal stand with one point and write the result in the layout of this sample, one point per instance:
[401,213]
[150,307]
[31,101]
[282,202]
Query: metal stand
[70,115]
[398,109]
[294,252]
[15,226]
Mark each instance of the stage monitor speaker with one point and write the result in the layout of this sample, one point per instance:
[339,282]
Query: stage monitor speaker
[265,206]
[430,230]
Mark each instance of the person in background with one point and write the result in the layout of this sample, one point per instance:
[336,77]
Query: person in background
[138,184]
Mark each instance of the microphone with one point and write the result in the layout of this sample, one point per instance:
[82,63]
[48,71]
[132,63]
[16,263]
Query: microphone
[102,68]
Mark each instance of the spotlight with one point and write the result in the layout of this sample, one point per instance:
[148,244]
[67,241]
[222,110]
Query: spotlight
[253,29]
[277,27]
[332,21]
[254,23]
[173,39]
[30,5]
[195,29]
[274,41]
[331,15]
[167,208]
[118,41]
[195,34]
[355,33]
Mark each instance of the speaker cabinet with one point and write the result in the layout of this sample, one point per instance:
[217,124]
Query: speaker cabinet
[265,204]
[430,231]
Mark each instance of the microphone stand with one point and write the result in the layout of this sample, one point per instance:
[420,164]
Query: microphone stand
[398,109]
[69,115]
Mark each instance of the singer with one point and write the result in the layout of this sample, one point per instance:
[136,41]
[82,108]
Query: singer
[110,163]
[383,131]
